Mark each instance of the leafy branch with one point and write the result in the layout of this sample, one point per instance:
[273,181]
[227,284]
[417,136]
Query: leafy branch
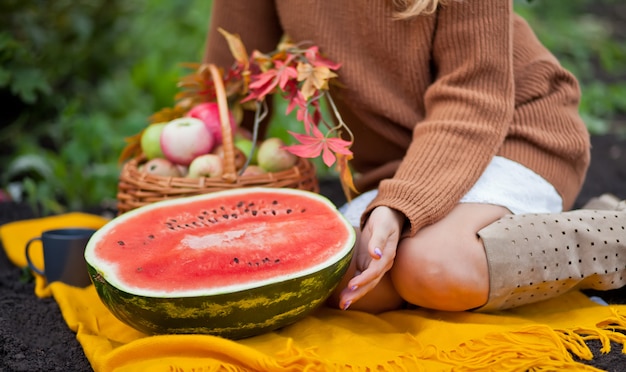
[298,73]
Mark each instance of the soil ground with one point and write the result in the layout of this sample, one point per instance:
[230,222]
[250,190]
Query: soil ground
[34,336]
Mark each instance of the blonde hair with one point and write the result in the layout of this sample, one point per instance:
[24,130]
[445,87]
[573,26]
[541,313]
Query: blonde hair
[412,8]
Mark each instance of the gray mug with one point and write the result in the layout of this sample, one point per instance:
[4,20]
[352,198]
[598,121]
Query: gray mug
[63,255]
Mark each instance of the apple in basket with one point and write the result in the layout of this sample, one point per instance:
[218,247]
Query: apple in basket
[208,112]
[207,165]
[184,139]
[161,167]
[240,157]
[151,141]
[273,157]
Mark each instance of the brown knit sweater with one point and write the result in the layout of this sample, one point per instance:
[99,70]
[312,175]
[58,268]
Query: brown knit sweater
[430,100]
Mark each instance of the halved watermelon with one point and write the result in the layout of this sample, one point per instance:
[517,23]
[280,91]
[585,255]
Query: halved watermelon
[233,263]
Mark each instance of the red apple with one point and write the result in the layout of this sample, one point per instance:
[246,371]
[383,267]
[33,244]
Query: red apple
[207,165]
[184,139]
[208,112]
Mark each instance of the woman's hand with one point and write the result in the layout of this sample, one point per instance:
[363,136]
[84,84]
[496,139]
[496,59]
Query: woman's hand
[375,252]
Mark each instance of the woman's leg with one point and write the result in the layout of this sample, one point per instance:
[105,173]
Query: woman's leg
[444,266]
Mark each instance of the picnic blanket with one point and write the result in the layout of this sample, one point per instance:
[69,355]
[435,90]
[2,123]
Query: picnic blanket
[544,336]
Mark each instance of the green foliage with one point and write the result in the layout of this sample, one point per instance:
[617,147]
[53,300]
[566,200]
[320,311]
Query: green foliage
[82,76]
[587,45]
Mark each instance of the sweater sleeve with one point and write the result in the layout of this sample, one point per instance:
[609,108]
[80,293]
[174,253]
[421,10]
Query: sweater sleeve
[469,107]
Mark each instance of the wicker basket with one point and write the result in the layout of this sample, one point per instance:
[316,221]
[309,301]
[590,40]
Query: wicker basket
[137,188]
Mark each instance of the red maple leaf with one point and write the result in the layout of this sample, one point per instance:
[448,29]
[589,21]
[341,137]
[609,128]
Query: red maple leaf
[265,83]
[313,145]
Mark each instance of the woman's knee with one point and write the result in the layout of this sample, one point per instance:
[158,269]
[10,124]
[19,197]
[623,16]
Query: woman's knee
[440,282]
[444,266]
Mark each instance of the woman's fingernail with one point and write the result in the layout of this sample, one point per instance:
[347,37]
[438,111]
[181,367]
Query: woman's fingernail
[347,304]
[378,252]
[354,287]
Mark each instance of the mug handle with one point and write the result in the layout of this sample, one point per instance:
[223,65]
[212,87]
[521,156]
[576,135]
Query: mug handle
[30,263]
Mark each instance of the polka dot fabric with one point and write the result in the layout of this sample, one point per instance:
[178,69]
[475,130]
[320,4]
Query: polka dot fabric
[534,257]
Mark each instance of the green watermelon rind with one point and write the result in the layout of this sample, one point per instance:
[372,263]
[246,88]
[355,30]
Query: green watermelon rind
[235,315]
[244,311]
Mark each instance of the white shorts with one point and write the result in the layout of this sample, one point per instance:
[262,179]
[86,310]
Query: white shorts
[504,182]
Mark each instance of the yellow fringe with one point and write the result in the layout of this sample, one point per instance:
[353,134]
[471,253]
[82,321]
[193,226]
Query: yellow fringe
[538,348]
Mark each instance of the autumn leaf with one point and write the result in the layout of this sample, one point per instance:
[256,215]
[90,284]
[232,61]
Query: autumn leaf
[314,78]
[267,82]
[237,49]
[132,148]
[313,145]
[294,98]
[345,176]
[168,114]
[314,57]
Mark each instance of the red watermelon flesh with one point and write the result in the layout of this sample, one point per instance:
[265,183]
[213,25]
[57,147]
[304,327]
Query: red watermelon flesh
[242,239]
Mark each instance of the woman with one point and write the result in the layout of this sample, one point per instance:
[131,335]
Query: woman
[464,126]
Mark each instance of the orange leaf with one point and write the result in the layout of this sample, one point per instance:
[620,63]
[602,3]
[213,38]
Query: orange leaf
[237,49]
[315,78]
[345,176]
[133,147]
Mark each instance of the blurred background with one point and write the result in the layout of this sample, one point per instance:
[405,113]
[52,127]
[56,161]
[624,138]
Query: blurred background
[79,76]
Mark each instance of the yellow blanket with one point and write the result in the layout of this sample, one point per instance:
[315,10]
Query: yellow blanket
[538,337]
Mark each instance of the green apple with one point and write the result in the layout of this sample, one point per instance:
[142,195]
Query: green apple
[245,145]
[273,157]
[151,141]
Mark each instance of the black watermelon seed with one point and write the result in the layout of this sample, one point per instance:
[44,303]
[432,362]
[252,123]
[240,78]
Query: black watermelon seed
[289,211]
[120,242]
[234,215]
[240,204]
[254,213]
[235,260]
[150,236]
[277,260]
[275,202]
[200,217]
[225,216]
